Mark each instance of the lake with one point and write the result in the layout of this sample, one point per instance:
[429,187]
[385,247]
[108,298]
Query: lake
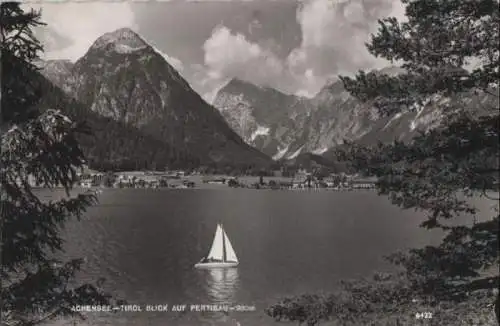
[145,243]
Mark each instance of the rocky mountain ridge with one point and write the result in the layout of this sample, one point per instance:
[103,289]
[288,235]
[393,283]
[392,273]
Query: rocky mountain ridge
[324,121]
[264,117]
[111,145]
[122,78]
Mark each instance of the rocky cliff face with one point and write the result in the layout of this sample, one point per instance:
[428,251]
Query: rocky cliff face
[284,126]
[263,117]
[58,72]
[123,78]
[318,124]
[111,145]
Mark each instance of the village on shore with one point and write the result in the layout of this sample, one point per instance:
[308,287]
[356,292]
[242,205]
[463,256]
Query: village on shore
[301,180]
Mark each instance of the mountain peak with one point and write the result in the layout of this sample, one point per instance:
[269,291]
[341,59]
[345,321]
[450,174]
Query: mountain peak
[42,64]
[124,40]
[237,82]
[237,85]
[62,63]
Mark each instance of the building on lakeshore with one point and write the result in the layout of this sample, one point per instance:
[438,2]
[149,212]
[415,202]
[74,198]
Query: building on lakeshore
[331,181]
[305,179]
[86,183]
[299,181]
[363,183]
[97,178]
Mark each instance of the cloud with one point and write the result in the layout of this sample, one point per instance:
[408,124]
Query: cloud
[334,33]
[333,37]
[80,24]
[228,54]
[173,61]
[308,83]
[206,82]
[73,27]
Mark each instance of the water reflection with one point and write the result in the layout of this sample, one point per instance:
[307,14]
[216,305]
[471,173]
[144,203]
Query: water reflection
[221,285]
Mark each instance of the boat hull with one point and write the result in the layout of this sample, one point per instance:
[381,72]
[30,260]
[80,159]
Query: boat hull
[216,265]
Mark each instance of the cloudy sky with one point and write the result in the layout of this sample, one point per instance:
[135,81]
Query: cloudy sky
[294,46]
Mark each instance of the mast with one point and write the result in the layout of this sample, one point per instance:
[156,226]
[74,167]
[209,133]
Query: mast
[223,244]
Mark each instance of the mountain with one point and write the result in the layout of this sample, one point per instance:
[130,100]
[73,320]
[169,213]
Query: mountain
[264,117]
[58,72]
[284,126]
[350,119]
[323,122]
[111,145]
[123,78]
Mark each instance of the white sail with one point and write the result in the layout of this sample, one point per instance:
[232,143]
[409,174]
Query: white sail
[230,254]
[217,251]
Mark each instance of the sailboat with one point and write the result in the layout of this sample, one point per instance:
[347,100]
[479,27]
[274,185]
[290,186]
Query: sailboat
[221,253]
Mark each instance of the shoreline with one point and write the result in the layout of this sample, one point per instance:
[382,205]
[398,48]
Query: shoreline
[138,180]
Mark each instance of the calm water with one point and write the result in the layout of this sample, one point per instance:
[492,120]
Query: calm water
[145,242]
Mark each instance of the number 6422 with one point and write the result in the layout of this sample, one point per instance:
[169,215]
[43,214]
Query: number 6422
[423,315]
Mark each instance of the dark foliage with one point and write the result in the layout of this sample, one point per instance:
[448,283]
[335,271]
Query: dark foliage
[35,286]
[15,28]
[382,300]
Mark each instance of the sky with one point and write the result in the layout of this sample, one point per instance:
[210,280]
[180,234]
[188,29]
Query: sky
[293,46]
